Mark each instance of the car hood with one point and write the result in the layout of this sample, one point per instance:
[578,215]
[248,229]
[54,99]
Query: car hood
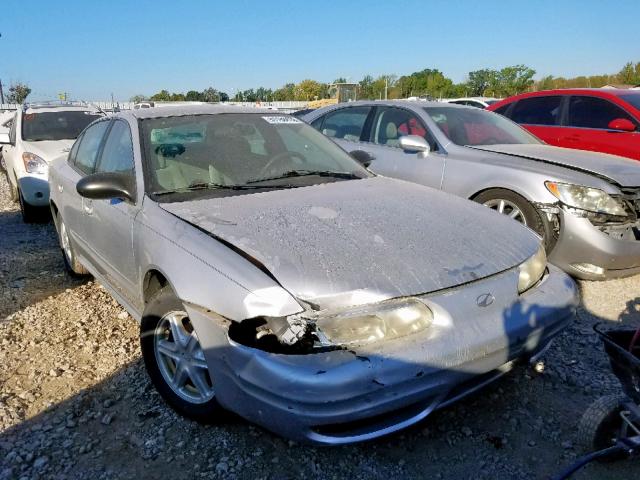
[623,171]
[352,242]
[48,149]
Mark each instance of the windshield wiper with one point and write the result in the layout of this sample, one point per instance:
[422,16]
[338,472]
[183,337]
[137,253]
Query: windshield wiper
[215,186]
[306,173]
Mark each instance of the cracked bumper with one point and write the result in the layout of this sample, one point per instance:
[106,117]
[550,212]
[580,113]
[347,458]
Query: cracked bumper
[348,396]
[582,243]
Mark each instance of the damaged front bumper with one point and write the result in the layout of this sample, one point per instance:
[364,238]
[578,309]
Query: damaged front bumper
[345,396]
[591,252]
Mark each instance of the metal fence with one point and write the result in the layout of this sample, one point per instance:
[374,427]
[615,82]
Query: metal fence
[109,105]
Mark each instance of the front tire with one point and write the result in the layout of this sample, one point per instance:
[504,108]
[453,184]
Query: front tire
[30,214]
[516,207]
[175,360]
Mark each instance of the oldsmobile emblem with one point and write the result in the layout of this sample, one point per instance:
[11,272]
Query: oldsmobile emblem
[485,300]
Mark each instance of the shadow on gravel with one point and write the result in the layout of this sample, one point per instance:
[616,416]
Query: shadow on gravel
[120,428]
[31,266]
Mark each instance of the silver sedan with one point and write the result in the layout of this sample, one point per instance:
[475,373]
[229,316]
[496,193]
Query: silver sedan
[275,277]
[584,204]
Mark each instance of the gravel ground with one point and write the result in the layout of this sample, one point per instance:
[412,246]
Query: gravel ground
[76,403]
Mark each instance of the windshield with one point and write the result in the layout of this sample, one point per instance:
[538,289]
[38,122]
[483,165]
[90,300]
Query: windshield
[475,127]
[55,125]
[632,98]
[230,152]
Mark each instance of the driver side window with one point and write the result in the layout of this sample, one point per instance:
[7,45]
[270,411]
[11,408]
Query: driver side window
[392,123]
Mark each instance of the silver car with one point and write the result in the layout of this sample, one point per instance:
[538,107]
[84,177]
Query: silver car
[275,277]
[584,204]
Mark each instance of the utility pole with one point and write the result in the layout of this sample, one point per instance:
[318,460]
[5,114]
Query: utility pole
[1,94]
[386,87]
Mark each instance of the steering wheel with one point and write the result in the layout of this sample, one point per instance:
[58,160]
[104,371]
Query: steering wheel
[278,158]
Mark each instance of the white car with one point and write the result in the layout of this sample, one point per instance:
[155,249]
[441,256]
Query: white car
[5,124]
[39,133]
[479,102]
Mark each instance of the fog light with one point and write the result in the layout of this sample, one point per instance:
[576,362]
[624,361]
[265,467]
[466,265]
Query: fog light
[588,268]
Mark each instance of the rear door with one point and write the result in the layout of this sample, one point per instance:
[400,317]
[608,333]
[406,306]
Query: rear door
[109,223]
[346,126]
[587,127]
[388,126]
[541,116]
[81,162]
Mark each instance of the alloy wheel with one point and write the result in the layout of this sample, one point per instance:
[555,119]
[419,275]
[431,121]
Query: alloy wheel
[181,359]
[65,244]
[506,208]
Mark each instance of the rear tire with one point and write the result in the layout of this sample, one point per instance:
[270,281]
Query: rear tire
[71,264]
[601,423]
[175,361]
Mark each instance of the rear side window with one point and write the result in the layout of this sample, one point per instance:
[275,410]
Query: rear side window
[87,152]
[593,112]
[117,155]
[537,111]
[346,123]
[74,150]
[503,109]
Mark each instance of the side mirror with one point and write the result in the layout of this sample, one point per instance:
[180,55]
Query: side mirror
[415,144]
[622,124]
[363,158]
[4,139]
[104,186]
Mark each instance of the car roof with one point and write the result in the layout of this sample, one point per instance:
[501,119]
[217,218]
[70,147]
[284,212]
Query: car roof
[572,91]
[414,104]
[182,110]
[61,108]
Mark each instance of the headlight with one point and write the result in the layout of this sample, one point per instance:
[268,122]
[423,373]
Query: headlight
[374,323]
[34,164]
[586,198]
[532,269]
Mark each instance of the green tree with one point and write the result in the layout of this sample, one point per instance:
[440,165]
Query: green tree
[161,96]
[630,74]
[546,83]
[479,80]
[193,96]
[18,93]
[514,80]
[210,95]
[365,88]
[340,80]
[138,98]
[309,90]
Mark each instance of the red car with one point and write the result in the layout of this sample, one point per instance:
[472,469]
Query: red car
[601,120]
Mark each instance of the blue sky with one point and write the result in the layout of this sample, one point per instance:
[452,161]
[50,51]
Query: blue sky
[92,48]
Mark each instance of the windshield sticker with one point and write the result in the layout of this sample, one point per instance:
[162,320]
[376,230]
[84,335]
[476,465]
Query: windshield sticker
[275,120]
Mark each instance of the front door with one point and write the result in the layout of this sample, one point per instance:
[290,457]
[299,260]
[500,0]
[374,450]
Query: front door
[587,127]
[109,223]
[391,123]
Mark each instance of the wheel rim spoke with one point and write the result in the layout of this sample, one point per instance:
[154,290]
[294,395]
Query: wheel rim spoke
[507,208]
[197,377]
[180,335]
[168,349]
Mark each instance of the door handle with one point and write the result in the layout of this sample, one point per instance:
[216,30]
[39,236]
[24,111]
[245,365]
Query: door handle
[87,206]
